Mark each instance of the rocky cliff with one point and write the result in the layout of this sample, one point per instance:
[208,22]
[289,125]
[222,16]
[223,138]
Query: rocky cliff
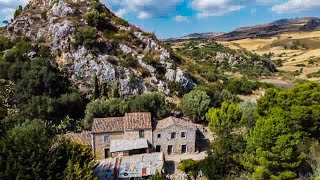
[88,41]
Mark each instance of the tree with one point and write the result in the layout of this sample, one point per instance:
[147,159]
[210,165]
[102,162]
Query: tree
[248,109]
[72,161]
[5,22]
[275,148]
[23,152]
[195,104]
[18,11]
[223,157]
[29,152]
[302,102]
[104,108]
[157,176]
[224,119]
[150,102]
[3,110]
[96,90]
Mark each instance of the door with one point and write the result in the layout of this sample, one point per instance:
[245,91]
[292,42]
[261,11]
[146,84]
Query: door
[106,153]
[158,148]
[170,149]
[183,149]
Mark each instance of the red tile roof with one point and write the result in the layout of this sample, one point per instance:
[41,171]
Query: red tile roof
[102,125]
[131,121]
[137,121]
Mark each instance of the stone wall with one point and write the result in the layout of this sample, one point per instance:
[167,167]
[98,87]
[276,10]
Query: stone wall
[165,140]
[135,135]
[99,144]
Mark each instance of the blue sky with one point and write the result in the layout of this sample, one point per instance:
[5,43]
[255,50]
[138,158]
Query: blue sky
[174,18]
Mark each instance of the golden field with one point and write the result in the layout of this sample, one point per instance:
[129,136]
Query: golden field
[305,59]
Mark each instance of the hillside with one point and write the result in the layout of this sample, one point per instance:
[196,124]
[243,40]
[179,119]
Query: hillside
[292,44]
[211,61]
[296,54]
[305,24]
[86,40]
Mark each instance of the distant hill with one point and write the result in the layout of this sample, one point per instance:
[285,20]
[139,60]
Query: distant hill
[259,31]
[195,36]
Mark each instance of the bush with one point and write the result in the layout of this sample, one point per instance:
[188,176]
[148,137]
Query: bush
[129,61]
[87,37]
[104,108]
[195,105]
[150,102]
[242,86]
[190,166]
[178,88]
[99,20]
[18,11]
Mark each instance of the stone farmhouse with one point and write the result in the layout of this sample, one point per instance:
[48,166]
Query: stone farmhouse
[174,136]
[123,136]
[134,146]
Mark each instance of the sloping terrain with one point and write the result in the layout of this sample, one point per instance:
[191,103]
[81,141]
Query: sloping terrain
[210,61]
[296,53]
[87,42]
[305,24]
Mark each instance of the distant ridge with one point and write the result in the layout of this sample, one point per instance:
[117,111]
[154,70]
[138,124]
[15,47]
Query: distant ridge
[260,31]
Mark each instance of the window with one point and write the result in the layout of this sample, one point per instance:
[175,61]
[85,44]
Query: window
[159,136]
[158,148]
[141,134]
[183,135]
[173,135]
[106,137]
[183,149]
[106,153]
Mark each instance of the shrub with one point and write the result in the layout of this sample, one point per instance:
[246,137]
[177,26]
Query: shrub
[177,87]
[195,105]
[242,86]
[18,11]
[190,166]
[99,20]
[87,37]
[150,102]
[104,108]
[129,61]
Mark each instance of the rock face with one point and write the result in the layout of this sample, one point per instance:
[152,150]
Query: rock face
[57,22]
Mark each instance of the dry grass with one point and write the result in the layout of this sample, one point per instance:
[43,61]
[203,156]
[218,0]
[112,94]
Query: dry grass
[291,58]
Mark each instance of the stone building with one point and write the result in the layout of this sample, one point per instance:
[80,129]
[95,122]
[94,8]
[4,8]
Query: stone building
[174,136]
[121,136]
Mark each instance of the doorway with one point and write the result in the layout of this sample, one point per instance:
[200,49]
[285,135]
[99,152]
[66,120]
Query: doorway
[170,149]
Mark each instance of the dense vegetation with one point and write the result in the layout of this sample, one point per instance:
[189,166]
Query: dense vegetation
[277,138]
[211,60]
[274,138]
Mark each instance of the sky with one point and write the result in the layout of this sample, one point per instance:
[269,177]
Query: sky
[176,18]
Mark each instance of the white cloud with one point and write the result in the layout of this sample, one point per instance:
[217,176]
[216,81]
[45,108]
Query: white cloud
[253,11]
[180,18]
[7,8]
[296,6]
[145,8]
[207,8]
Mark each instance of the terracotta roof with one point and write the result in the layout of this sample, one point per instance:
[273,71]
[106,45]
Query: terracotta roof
[167,122]
[82,138]
[103,125]
[135,121]
[132,121]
